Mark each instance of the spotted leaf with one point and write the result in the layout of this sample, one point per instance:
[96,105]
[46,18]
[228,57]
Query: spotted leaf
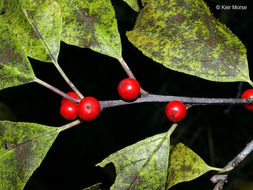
[37,24]
[153,164]
[184,36]
[91,24]
[185,165]
[23,146]
[143,165]
[15,68]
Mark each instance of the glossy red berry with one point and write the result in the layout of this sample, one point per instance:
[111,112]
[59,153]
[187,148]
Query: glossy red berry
[69,110]
[72,94]
[88,108]
[129,89]
[175,111]
[248,94]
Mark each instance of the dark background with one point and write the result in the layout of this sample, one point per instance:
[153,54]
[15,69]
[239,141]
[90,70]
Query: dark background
[216,133]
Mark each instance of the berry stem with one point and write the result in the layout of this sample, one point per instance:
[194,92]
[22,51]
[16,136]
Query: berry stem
[56,90]
[186,100]
[131,75]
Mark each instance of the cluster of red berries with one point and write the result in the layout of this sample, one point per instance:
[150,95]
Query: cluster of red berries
[89,108]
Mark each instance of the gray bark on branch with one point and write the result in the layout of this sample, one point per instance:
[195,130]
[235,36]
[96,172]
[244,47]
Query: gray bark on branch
[221,179]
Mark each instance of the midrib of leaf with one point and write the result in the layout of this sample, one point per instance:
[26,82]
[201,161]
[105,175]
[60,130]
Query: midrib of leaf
[224,58]
[210,48]
[31,140]
[149,159]
[39,35]
[105,39]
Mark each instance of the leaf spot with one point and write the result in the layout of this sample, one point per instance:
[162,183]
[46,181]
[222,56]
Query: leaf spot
[84,17]
[186,168]
[22,151]
[179,18]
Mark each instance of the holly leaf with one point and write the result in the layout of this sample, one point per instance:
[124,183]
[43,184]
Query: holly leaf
[23,146]
[153,164]
[143,165]
[184,36]
[37,24]
[91,24]
[185,165]
[15,68]
[133,4]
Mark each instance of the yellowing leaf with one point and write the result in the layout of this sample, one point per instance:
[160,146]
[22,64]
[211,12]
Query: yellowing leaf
[37,24]
[184,36]
[143,165]
[153,164]
[23,146]
[184,165]
[15,68]
[91,24]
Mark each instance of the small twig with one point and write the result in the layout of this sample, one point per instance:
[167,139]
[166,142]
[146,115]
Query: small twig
[250,82]
[68,81]
[220,184]
[172,128]
[221,179]
[131,75]
[186,100]
[56,90]
[70,125]
[238,94]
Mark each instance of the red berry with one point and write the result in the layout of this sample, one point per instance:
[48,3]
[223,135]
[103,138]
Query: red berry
[88,108]
[69,110]
[248,94]
[72,94]
[175,111]
[129,89]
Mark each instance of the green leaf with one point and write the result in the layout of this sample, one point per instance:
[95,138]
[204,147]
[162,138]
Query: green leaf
[133,4]
[23,146]
[15,68]
[143,165]
[37,24]
[153,164]
[91,24]
[94,187]
[185,165]
[184,36]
